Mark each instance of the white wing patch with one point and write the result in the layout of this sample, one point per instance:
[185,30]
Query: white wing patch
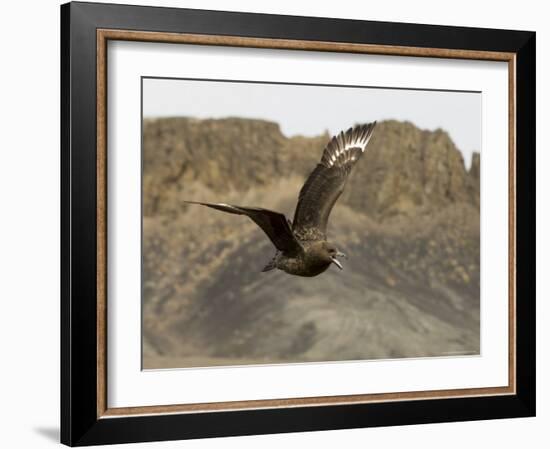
[336,152]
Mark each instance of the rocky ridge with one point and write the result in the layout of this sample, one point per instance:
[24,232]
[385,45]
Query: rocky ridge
[408,219]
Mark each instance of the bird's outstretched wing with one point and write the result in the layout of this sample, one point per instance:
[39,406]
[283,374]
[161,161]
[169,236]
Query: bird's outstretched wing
[274,224]
[325,184]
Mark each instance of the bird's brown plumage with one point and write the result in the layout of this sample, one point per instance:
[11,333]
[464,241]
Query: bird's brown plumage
[303,250]
[326,183]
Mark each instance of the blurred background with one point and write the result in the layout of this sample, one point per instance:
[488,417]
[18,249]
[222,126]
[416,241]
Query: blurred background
[408,221]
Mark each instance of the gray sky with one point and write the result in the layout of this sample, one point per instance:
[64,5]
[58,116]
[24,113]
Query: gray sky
[310,110]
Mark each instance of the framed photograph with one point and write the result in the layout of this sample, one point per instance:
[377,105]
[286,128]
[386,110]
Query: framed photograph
[278,224]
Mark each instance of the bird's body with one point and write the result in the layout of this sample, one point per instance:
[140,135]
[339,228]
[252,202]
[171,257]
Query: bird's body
[308,263]
[302,246]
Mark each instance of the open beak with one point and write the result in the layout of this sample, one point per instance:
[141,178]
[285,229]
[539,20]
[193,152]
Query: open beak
[337,263]
[340,254]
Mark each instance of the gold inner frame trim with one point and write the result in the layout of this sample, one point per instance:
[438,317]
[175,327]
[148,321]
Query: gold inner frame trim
[104,35]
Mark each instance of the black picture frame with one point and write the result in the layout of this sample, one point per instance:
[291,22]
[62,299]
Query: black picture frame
[80,423]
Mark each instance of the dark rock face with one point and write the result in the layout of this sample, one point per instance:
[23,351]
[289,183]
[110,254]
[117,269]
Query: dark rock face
[408,170]
[474,176]
[408,219]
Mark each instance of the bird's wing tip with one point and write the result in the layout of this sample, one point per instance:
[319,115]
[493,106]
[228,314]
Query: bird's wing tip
[357,137]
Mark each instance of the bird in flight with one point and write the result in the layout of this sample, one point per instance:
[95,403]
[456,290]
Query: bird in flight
[302,246]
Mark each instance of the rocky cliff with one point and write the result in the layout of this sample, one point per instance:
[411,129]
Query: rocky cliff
[408,219]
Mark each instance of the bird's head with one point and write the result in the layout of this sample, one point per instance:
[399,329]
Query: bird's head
[331,253]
